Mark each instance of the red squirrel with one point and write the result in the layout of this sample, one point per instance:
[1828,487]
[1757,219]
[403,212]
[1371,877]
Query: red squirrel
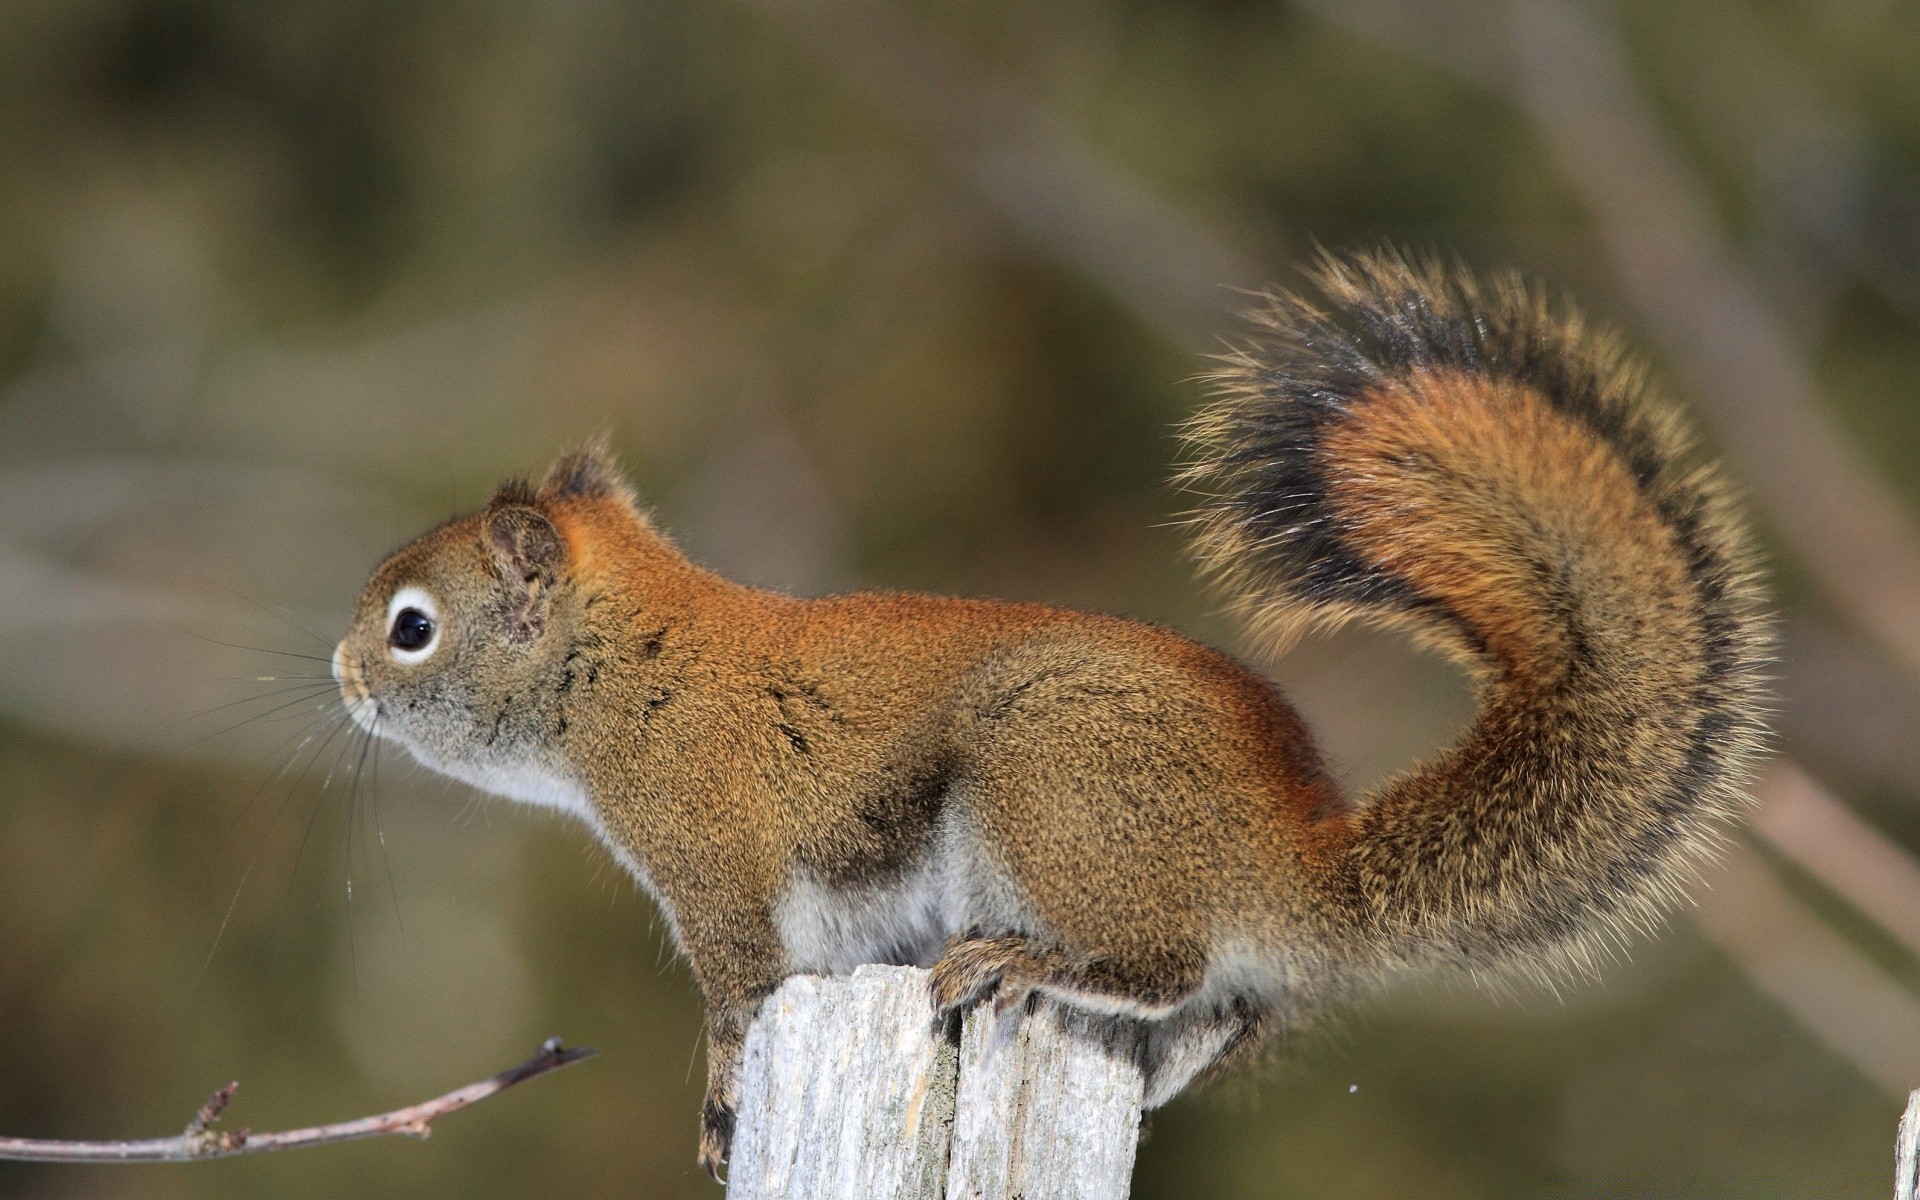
[1032,800]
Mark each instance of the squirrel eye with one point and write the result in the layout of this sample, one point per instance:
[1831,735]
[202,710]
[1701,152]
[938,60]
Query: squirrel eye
[412,629]
[413,625]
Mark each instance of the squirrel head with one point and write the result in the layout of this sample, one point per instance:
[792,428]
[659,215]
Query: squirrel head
[459,639]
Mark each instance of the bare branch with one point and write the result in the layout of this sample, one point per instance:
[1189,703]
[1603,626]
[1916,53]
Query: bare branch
[201,1140]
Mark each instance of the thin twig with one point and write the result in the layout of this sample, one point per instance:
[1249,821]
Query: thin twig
[201,1140]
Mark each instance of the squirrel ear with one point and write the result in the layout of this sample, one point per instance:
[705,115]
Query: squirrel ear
[588,473]
[525,545]
[528,553]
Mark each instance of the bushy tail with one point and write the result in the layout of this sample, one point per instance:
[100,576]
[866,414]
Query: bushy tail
[1474,465]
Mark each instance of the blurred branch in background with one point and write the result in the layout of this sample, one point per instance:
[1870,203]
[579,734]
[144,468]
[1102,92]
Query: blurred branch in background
[1715,324]
[1859,1011]
[1567,72]
[1852,713]
[1834,204]
[1570,75]
[1027,164]
[98,553]
[1822,836]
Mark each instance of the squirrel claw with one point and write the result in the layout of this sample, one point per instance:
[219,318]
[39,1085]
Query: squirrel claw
[716,1139]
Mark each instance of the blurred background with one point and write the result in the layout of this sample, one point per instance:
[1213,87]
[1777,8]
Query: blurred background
[900,294]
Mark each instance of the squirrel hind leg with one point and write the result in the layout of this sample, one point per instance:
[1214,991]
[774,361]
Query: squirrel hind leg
[1202,1046]
[1187,1037]
[1011,967]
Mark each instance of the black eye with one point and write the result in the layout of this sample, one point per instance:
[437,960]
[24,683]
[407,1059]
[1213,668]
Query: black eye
[412,629]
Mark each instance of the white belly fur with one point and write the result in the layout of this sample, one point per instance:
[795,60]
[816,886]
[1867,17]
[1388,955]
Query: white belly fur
[952,886]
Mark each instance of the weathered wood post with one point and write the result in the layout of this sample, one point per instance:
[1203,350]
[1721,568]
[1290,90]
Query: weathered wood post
[1906,1157]
[849,1091]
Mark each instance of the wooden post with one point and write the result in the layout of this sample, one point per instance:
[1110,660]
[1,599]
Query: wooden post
[1049,1106]
[849,1091]
[846,1092]
[1906,1159]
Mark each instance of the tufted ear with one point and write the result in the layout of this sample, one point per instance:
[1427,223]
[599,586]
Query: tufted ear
[587,473]
[528,554]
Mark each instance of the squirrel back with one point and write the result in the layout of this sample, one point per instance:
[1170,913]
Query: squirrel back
[1478,467]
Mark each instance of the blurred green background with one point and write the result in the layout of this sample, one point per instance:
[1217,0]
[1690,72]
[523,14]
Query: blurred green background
[901,295]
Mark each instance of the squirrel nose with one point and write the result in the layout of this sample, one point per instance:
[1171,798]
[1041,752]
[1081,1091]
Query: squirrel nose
[340,663]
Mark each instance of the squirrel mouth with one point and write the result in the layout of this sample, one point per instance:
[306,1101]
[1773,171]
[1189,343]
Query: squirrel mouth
[355,698]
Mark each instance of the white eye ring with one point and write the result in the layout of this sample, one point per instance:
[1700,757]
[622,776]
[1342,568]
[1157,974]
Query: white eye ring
[418,600]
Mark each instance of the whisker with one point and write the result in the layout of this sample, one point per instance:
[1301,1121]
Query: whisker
[265,678]
[470,810]
[380,834]
[312,688]
[278,768]
[311,632]
[326,704]
[255,649]
[290,616]
[225,920]
[301,850]
[339,757]
[695,1056]
[297,700]
[332,730]
[253,859]
[353,810]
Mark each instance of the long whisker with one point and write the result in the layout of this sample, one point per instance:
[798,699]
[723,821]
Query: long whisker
[310,631]
[225,920]
[288,614]
[253,859]
[265,678]
[325,704]
[277,768]
[353,809]
[255,649]
[380,834]
[333,730]
[297,700]
[301,850]
[312,688]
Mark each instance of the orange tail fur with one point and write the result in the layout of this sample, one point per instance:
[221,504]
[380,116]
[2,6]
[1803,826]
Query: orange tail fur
[1476,466]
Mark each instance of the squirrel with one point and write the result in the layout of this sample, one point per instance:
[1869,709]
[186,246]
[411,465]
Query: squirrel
[1036,801]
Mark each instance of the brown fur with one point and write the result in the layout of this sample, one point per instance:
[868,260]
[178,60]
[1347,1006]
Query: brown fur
[1029,799]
